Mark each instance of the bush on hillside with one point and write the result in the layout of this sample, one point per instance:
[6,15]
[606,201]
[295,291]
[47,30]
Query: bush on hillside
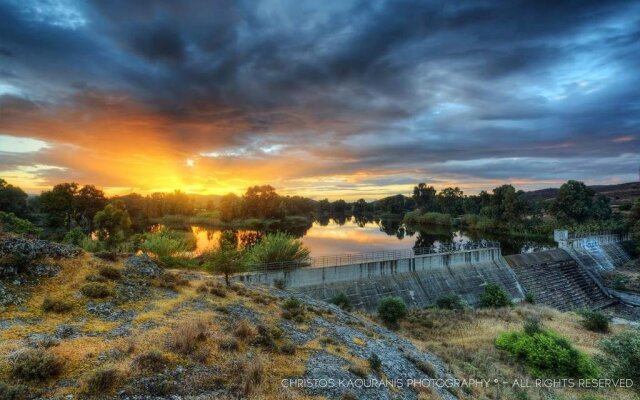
[451,302]
[56,305]
[10,223]
[342,301]
[36,365]
[494,296]
[95,290]
[547,354]
[75,237]
[595,321]
[391,310]
[102,380]
[621,356]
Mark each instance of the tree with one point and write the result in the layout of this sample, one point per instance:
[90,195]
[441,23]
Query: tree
[506,204]
[12,199]
[425,197]
[573,202]
[227,260]
[112,224]
[59,204]
[230,207]
[261,202]
[88,201]
[450,201]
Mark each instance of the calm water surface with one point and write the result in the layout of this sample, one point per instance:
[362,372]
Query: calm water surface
[351,237]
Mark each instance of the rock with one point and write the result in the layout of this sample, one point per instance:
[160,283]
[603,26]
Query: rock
[43,270]
[142,266]
[65,331]
[33,248]
[108,312]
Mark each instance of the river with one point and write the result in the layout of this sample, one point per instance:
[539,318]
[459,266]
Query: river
[348,236]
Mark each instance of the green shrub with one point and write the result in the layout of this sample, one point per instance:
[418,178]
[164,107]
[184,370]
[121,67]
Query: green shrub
[342,301]
[532,326]
[595,321]
[278,247]
[151,361]
[110,272]
[391,310]
[530,298]
[280,284]
[165,243]
[36,365]
[374,362]
[494,296]
[102,380]
[293,310]
[56,305]
[75,237]
[451,302]
[547,354]
[427,219]
[92,246]
[95,290]
[10,223]
[621,355]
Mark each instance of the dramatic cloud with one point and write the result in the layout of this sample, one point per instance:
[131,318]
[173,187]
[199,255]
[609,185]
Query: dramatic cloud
[331,98]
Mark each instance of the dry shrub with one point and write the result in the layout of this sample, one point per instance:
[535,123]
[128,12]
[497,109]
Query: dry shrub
[244,330]
[151,361]
[95,290]
[247,374]
[36,365]
[56,305]
[202,288]
[229,344]
[170,281]
[186,337]
[110,272]
[218,290]
[102,380]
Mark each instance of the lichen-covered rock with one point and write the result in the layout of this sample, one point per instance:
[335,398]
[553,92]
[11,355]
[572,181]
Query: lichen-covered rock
[34,248]
[142,266]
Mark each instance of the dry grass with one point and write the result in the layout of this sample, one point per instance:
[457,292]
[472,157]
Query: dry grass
[179,335]
[188,336]
[245,331]
[464,340]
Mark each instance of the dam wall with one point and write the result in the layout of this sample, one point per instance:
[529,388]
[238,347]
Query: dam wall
[420,289]
[312,276]
[595,252]
[419,279]
[555,279]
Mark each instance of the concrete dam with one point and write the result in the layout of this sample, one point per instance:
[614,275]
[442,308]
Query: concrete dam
[565,278]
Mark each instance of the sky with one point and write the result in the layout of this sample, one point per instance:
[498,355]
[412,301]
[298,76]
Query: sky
[338,99]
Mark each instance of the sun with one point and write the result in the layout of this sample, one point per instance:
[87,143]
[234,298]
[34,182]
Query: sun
[190,162]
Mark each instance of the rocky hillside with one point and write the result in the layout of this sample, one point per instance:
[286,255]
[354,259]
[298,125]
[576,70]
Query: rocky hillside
[73,325]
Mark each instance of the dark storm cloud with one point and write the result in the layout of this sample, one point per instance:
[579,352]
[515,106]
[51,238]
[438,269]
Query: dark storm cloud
[362,85]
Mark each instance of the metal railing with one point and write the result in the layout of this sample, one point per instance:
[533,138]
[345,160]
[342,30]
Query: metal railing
[597,234]
[385,255]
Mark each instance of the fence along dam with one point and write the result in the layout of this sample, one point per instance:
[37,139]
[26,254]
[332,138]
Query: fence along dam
[563,278]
